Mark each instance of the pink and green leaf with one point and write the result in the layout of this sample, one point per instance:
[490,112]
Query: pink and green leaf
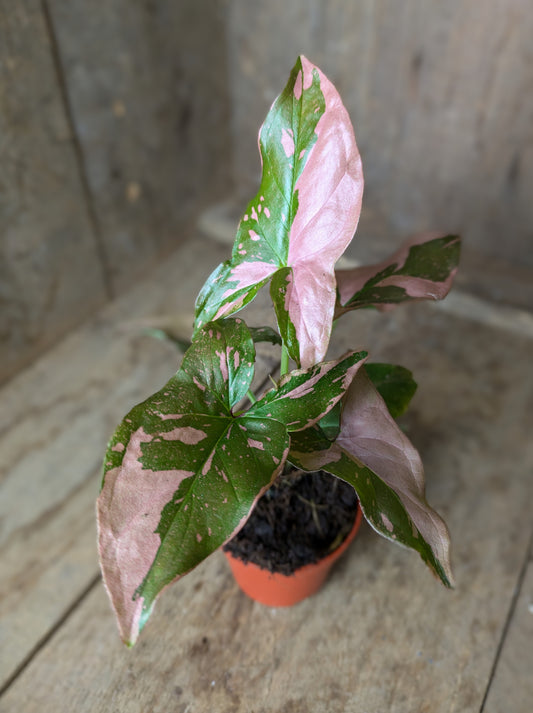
[378,460]
[422,268]
[305,396]
[280,289]
[303,216]
[182,473]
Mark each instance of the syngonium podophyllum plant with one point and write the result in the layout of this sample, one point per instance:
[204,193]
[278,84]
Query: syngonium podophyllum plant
[185,468]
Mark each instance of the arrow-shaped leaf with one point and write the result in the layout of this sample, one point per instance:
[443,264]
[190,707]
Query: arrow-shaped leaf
[301,220]
[422,268]
[182,473]
[304,396]
[377,459]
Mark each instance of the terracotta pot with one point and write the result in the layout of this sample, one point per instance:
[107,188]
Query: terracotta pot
[281,590]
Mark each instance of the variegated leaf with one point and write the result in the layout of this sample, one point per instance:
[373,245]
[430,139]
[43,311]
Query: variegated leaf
[302,219]
[377,459]
[423,268]
[306,395]
[182,473]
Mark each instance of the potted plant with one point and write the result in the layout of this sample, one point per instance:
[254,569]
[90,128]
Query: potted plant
[185,468]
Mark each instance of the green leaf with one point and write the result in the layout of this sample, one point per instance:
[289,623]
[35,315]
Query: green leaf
[264,334]
[306,395]
[182,473]
[330,424]
[376,458]
[423,268]
[395,385]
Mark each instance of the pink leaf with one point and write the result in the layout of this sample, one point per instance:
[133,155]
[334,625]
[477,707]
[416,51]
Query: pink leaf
[128,512]
[330,190]
[369,433]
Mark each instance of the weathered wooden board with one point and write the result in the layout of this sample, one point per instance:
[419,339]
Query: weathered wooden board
[50,274]
[441,96]
[383,634]
[263,41]
[512,687]
[55,420]
[147,87]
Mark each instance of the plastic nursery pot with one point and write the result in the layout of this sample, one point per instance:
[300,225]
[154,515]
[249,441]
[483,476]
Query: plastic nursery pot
[281,590]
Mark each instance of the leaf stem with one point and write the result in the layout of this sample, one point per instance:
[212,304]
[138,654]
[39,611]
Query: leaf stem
[284,366]
[252,398]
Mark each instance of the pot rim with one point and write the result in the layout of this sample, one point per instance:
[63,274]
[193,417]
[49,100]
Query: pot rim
[277,589]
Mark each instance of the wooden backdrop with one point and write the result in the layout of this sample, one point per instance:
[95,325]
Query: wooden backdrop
[441,96]
[113,132]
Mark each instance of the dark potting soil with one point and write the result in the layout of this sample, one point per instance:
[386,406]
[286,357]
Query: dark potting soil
[298,521]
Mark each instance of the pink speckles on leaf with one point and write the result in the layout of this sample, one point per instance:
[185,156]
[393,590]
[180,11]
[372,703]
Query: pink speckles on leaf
[267,212]
[388,524]
[287,141]
[208,463]
[298,86]
[253,235]
[119,447]
[187,434]
[256,444]
[223,365]
[198,384]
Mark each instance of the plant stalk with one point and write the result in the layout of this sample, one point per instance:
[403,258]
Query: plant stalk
[250,395]
[284,365]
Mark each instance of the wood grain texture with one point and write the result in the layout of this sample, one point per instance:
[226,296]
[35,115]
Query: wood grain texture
[441,96]
[55,421]
[50,274]
[383,634]
[512,687]
[147,86]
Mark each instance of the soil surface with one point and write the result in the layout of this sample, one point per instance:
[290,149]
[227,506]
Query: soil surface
[300,519]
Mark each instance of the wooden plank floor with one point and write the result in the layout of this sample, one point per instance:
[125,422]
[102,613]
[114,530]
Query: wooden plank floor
[383,635]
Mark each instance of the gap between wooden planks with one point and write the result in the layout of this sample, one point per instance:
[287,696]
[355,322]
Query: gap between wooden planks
[399,641]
